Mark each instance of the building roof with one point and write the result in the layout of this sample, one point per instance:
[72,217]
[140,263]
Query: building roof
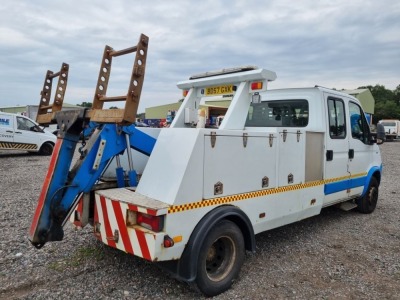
[365,97]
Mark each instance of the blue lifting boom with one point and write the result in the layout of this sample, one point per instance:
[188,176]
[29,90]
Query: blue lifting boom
[113,135]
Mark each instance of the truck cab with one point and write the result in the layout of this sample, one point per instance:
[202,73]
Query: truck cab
[18,132]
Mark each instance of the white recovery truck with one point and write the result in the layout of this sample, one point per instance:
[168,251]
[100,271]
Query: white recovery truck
[279,156]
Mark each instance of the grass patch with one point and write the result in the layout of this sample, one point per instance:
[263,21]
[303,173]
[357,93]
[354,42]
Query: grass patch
[78,258]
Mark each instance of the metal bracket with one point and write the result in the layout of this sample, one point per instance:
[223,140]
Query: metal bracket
[245,136]
[213,138]
[284,135]
[115,237]
[265,182]
[70,122]
[218,188]
[298,135]
[99,154]
[290,178]
[271,139]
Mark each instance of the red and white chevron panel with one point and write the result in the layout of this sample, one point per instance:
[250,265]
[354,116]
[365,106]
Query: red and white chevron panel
[112,215]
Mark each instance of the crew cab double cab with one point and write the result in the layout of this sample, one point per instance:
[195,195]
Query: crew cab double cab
[18,132]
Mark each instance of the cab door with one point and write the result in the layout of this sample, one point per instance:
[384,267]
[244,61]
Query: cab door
[360,149]
[25,133]
[337,175]
[6,130]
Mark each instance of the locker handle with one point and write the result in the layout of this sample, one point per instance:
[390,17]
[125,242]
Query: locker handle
[351,153]
[329,155]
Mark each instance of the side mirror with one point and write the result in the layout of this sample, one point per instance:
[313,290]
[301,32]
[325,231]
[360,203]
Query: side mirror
[375,140]
[36,129]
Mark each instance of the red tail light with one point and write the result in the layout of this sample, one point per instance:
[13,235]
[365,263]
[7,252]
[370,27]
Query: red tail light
[257,85]
[154,223]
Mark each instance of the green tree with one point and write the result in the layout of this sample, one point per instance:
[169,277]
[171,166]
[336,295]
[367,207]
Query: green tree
[396,93]
[387,110]
[380,93]
[85,104]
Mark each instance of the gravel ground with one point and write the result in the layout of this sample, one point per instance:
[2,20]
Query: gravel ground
[336,255]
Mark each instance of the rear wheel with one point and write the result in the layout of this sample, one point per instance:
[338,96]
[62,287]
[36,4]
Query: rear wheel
[367,203]
[221,257]
[46,149]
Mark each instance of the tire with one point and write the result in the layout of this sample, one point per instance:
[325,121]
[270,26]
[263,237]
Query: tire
[46,149]
[367,203]
[221,258]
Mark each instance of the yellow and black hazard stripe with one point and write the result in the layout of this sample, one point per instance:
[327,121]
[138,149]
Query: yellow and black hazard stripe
[255,194]
[17,146]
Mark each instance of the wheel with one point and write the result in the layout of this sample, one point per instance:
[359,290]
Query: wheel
[221,257]
[367,203]
[46,149]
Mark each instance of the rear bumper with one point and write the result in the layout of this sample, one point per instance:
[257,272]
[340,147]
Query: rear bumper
[111,227]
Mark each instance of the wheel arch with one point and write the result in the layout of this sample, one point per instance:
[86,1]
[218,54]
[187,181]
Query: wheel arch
[373,172]
[184,268]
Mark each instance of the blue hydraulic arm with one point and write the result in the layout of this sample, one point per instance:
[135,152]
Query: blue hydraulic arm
[62,186]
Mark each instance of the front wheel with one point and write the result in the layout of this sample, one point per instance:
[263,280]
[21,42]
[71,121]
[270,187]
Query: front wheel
[367,203]
[221,257]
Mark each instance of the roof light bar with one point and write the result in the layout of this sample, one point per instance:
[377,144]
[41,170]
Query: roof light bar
[224,71]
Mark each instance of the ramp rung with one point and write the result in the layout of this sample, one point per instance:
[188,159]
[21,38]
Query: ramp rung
[51,76]
[46,106]
[111,99]
[107,115]
[114,53]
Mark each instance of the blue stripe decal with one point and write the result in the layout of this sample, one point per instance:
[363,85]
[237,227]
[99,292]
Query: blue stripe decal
[351,183]
[335,187]
[359,181]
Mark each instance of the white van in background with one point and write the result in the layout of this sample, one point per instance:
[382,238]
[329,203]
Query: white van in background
[392,129]
[18,132]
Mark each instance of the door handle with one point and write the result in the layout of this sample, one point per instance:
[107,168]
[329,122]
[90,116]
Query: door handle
[329,155]
[9,131]
[351,153]
[18,132]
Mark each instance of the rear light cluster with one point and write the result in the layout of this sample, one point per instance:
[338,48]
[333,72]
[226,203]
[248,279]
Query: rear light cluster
[153,223]
[256,85]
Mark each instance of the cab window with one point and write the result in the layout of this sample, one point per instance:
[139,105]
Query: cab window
[358,122]
[336,116]
[281,113]
[24,124]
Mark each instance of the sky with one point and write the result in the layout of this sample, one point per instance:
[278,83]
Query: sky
[338,44]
